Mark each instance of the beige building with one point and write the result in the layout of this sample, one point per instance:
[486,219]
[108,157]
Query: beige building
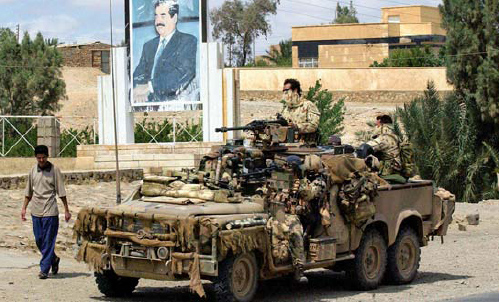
[360,44]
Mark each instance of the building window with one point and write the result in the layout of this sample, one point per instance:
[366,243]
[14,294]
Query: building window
[393,19]
[100,59]
[308,62]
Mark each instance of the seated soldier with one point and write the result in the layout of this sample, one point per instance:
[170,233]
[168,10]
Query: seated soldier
[385,145]
[300,112]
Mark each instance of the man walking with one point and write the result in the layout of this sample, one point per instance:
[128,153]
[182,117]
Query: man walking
[45,181]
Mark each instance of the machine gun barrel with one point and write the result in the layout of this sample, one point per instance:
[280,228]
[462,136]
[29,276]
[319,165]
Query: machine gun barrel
[226,129]
[257,125]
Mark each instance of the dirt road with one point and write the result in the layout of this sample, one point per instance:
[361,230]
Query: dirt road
[465,265]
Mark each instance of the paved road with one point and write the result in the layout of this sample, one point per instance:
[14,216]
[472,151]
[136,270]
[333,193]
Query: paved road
[487,297]
[19,282]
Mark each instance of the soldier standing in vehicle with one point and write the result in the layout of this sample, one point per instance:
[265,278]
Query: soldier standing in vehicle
[298,111]
[385,145]
[45,181]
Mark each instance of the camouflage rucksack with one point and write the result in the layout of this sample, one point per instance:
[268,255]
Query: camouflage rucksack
[407,159]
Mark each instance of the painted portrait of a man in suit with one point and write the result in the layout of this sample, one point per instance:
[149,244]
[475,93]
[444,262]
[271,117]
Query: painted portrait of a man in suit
[167,66]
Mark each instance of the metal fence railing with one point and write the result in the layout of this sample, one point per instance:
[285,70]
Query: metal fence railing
[18,134]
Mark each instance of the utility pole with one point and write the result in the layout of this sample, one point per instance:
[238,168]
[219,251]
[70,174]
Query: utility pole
[111,59]
[17,32]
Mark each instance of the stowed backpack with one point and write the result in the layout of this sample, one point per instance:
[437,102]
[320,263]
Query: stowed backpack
[408,167]
[407,159]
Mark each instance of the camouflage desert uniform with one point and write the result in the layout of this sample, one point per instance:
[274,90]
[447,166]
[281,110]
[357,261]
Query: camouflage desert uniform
[304,115]
[287,237]
[386,148]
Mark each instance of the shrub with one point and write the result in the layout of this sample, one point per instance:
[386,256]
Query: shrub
[70,138]
[162,131]
[447,148]
[12,141]
[412,57]
[332,113]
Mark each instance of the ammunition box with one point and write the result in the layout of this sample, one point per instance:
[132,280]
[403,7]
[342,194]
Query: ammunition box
[322,249]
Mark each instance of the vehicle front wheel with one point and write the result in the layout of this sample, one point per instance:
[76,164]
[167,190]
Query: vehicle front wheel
[369,266]
[403,257]
[113,285]
[237,279]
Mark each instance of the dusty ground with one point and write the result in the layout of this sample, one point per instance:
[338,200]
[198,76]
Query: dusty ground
[465,265]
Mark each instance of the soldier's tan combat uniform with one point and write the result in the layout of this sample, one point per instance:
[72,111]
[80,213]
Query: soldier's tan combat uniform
[287,237]
[301,112]
[387,149]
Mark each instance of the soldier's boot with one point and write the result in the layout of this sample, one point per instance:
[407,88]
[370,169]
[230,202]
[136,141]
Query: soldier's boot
[298,275]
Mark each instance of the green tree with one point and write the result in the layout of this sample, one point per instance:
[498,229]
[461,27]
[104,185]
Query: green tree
[447,148]
[412,57]
[30,75]
[472,49]
[332,113]
[345,14]
[238,24]
[283,55]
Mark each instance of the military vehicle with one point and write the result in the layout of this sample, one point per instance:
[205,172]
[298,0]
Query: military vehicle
[226,222]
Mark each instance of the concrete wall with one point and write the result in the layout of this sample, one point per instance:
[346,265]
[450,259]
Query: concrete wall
[407,14]
[21,165]
[359,55]
[412,14]
[346,79]
[171,156]
[364,31]
[430,14]
[294,51]
[414,29]
[339,32]
[101,157]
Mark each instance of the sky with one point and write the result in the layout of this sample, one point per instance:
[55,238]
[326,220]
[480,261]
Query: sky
[83,21]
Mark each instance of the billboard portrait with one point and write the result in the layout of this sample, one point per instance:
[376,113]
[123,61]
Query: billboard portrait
[165,42]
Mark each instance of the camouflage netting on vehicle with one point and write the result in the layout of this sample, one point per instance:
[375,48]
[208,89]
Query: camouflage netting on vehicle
[242,240]
[92,224]
[236,241]
[91,253]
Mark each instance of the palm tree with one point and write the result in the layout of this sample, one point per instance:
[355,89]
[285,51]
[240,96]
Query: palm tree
[282,54]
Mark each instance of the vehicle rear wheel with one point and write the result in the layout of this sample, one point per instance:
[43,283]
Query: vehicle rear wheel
[369,265]
[403,257]
[113,285]
[237,279]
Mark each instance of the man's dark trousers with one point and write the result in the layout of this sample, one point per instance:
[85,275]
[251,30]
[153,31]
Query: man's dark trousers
[45,230]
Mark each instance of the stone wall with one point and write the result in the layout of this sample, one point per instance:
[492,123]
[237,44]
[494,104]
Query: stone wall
[12,182]
[80,55]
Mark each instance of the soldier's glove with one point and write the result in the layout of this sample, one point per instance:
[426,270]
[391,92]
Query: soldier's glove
[364,151]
